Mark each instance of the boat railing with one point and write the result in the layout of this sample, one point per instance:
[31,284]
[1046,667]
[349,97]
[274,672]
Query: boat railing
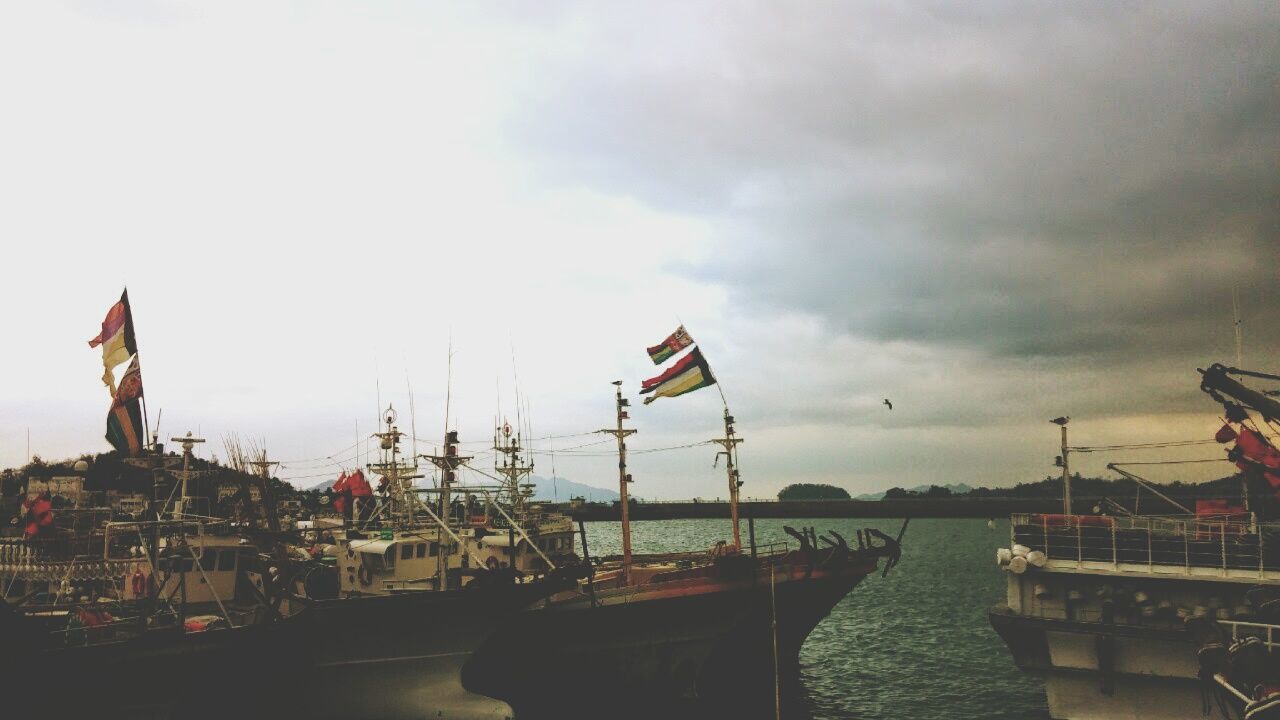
[1268,633]
[1227,545]
[773,549]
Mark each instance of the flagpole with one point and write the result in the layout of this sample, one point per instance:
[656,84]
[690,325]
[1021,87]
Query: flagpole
[621,434]
[146,423]
[730,444]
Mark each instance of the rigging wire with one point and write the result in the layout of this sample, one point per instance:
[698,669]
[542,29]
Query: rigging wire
[1172,462]
[1142,446]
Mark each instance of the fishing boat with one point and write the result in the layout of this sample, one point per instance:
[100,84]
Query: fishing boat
[1135,615]
[415,599]
[721,623]
[154,617]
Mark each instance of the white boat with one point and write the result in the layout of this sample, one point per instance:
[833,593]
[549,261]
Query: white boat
[1112,611]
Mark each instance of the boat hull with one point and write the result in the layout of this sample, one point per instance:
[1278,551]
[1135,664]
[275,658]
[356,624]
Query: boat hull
[1093,671]
[401,656]
[161,674]
[672,643]
[375,657]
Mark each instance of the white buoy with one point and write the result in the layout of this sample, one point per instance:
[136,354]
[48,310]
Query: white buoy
[991,524]
[1075,596]
[1018,565]
[1041,590]
[1140,597]
[1003,556]
[1148,611]
[1037,558]
[1020,550]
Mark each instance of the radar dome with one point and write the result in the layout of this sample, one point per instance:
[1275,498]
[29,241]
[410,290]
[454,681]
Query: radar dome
[81,466]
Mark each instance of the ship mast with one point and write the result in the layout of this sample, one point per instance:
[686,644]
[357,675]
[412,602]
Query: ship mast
[730,444]
[188,445]
[448,462]
[399,475]
[623,478]
[512,466]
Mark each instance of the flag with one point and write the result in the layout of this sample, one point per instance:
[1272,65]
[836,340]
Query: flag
[116,339]
[689,373]
[39,514]
[130,383]
[124,427]
[124,421]
[674,343]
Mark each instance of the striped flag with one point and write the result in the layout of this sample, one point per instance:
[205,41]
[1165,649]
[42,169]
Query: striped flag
[674,343]
[689,373]
[124,421]
[116,339]
[124,428]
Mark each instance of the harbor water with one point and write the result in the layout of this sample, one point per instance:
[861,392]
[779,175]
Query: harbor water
[914,645]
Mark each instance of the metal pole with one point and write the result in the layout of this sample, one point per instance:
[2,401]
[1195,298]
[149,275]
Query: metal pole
[623,480]
[1066,475]
[622,490]
[730,448]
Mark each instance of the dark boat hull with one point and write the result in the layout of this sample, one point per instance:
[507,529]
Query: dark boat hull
[401,656]
[161,674]
[649,647]
[372,657]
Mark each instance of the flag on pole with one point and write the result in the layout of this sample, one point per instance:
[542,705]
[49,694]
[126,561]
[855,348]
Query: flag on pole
[689,373]
[124,427]
[124,421]
[674,343]
[130,383]
[116,339]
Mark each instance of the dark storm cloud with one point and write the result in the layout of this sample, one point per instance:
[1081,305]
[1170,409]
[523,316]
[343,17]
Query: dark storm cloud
[1021,179]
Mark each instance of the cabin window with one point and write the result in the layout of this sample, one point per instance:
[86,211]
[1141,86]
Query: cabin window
[389,558]
[422,550]
[435,549]
[227,560]
[208,559]
[182,565]
[406,551]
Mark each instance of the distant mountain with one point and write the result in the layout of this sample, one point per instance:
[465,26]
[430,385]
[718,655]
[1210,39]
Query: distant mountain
[956,489]
[546,490]
[560,490]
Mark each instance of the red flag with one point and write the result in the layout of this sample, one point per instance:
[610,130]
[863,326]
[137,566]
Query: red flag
[39,514]
[358,486]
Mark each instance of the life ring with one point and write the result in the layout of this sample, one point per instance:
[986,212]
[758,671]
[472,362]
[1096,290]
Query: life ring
[366,578]
[491,563]
[139,583]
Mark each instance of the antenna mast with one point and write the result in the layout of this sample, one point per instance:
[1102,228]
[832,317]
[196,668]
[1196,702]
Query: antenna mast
[448,463]
[188,444]
[730,444]
[512,466]
[400,476]
[623,478]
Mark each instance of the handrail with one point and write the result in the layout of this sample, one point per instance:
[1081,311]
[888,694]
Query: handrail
[1226,543]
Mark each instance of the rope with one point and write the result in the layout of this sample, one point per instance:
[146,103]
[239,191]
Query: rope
[1173,462]
[1142,446]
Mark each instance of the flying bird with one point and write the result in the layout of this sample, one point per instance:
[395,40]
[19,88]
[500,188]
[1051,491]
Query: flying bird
[886,402]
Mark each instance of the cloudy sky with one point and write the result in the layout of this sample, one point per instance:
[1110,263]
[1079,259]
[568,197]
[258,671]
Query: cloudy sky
[992,213]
